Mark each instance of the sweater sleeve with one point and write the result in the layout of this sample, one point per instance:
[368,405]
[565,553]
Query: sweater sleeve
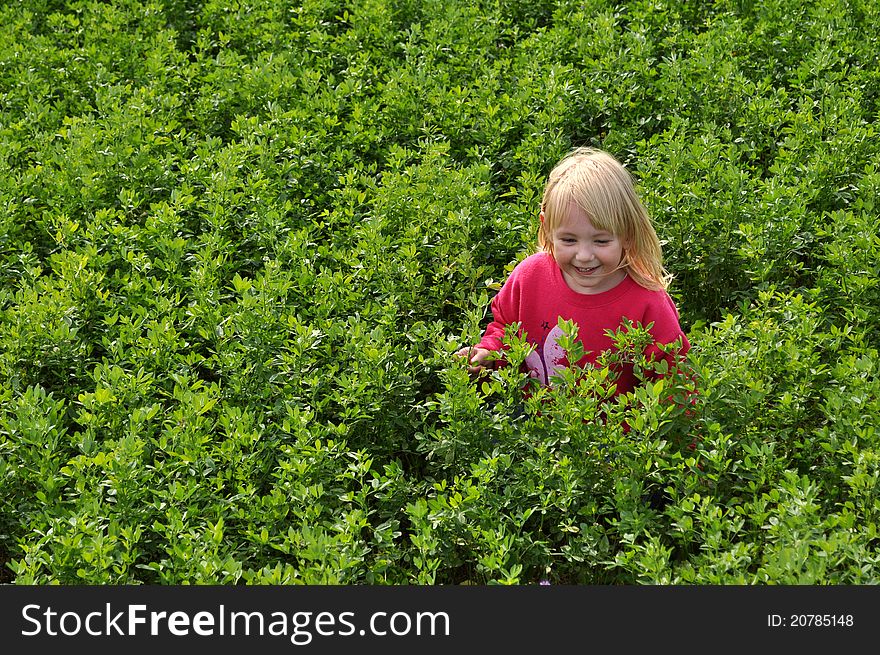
[505,310]
[666,331]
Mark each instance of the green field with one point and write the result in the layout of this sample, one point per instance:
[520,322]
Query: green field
[241,239]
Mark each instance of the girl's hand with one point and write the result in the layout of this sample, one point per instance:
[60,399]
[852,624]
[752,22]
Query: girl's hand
[475,357]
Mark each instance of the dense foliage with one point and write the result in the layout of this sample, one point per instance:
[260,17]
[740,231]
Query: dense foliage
[240,239]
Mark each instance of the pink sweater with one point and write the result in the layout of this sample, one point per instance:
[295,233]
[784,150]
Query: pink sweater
[536,296]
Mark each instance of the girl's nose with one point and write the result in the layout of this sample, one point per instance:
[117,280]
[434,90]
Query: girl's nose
[585,253]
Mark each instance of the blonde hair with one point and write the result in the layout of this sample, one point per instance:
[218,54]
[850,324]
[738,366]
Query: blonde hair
[605,191]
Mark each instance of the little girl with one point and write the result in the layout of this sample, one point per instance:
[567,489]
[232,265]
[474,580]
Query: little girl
[599,262]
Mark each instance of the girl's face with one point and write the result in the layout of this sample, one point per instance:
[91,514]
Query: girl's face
[589,258]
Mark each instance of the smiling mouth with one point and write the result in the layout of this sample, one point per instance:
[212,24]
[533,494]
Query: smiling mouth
[587,271]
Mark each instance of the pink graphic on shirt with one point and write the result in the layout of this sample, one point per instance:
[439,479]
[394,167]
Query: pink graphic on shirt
[547,358]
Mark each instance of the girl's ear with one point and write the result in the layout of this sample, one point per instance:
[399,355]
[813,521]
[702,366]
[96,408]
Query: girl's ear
[544,230]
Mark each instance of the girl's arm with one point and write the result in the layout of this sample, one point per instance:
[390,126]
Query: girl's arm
[666,330]
[505,306]
[489,343]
